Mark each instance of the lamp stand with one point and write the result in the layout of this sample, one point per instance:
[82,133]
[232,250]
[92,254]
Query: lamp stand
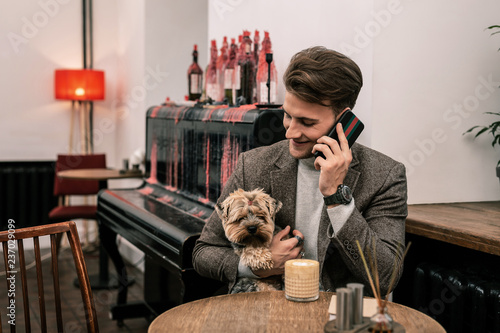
[85,130]
[71,128]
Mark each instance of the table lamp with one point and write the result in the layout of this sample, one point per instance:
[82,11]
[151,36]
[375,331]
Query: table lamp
[82,85]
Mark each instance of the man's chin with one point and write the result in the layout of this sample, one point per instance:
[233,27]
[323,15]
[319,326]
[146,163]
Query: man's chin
[299,153]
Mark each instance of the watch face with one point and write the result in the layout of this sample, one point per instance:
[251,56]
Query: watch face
[346,193]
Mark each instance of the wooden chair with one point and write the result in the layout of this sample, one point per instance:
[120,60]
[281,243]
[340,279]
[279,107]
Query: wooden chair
[11,254]
[64,188]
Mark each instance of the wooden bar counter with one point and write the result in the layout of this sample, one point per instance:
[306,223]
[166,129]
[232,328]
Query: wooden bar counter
[473,225]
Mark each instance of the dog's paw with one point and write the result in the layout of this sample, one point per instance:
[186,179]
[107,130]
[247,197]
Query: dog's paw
[268,262]
[257,258]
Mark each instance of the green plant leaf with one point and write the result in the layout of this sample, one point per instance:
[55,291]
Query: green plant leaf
[494,127]
[496,140]
[484,129]
[470,130]
[494,27]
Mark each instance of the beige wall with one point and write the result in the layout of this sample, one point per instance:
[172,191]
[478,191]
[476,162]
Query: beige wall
[430,72]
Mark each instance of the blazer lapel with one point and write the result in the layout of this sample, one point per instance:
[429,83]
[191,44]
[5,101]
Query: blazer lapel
[284,185]
[350,180]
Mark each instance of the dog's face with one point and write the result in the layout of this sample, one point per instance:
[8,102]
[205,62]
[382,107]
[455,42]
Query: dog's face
[248,217]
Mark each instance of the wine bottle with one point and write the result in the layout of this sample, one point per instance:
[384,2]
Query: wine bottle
[195,77]
[247,70]
[211,86]
[221,63]
[229,74]
[262,74]
[256,45]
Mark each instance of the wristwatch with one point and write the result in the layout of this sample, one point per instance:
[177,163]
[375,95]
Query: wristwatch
[342,196]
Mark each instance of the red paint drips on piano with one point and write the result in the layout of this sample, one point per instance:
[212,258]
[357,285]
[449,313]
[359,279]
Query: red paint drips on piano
[234,115]
[154,113]
[153,172]
[145,190]
[207,168]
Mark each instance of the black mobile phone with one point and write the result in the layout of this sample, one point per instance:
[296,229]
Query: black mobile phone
[352,129]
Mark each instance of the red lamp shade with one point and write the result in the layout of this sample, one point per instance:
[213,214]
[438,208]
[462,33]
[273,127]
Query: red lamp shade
[79,84]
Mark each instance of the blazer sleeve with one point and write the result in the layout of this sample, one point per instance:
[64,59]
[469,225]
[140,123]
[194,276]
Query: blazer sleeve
[378,223]
[213,256]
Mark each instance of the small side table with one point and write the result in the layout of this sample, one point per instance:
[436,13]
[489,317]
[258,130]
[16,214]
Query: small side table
[103,280]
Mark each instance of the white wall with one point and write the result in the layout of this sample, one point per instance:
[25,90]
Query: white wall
[421,63]
[171,29]
[431,65]
[138,44]
[37,38]
[420,59]
[294,25]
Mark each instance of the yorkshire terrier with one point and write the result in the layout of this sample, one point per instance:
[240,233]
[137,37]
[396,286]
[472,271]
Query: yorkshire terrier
[248,222]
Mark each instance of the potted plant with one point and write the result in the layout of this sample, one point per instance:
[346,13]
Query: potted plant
[494,127]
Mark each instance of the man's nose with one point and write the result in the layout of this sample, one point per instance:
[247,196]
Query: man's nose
[292,131]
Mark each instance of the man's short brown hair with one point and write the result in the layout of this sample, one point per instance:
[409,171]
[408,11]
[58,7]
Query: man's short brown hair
[319,75]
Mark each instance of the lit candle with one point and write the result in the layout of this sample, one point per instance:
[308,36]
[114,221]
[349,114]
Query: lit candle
[302,280]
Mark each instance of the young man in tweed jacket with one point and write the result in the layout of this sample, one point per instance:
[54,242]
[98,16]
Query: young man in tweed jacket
[321,85]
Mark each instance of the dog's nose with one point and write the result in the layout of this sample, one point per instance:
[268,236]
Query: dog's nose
[252,229]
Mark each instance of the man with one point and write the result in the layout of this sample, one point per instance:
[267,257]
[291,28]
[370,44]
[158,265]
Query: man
[321,85]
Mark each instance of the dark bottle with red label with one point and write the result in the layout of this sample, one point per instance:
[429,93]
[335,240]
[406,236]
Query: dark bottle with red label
[195,78]
[230,74]
[247,70]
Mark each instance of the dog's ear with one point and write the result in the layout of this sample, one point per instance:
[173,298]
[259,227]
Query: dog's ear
[274,206]
[219,209]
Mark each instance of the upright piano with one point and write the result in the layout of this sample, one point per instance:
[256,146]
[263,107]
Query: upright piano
[190,153]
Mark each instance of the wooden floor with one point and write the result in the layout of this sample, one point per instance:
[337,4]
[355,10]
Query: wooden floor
[73,316]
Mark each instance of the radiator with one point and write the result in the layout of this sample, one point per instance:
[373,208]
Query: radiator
[26,192]
[461,301]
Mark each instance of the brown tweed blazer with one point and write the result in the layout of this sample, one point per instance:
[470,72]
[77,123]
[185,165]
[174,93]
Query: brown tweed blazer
[379,189]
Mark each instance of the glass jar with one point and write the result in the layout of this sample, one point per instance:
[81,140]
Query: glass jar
[381,322]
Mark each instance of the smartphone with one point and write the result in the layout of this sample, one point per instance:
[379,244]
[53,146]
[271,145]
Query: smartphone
[352,129]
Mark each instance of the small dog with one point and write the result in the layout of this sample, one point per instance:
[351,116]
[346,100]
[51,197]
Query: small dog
[248,222]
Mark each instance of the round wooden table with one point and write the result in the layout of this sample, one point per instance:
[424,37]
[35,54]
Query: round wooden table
[270,311]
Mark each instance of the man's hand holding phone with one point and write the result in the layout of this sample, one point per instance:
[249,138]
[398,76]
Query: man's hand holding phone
[333,152]
[337,159]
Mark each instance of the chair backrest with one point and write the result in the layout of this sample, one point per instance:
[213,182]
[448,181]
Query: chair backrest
[13,250]
[77,187]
